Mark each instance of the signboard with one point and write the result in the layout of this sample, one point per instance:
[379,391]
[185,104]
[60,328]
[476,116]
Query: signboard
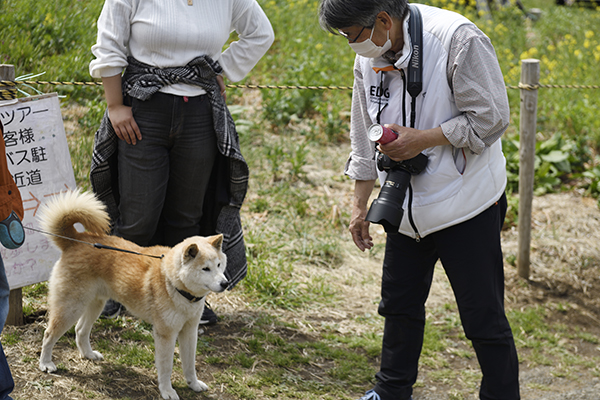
[39,161]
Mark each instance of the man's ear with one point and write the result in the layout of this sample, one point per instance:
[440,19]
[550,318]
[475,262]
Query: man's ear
[386,19]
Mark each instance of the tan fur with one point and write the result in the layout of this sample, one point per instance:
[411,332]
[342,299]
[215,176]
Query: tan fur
[85,277]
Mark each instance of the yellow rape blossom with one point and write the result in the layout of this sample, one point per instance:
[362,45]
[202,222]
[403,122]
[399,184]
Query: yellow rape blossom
[531,53]
[501,29]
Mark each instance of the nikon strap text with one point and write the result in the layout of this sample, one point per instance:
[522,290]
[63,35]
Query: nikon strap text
[415,66]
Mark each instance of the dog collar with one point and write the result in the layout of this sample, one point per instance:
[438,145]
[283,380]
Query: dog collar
[189,296]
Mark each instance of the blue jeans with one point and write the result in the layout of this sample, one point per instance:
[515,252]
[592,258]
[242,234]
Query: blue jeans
[6,380]
[163,179]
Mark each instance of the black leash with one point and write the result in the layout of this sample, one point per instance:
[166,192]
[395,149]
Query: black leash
[96,245]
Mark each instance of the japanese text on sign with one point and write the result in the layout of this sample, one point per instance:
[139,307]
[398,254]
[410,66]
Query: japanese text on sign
[38,159]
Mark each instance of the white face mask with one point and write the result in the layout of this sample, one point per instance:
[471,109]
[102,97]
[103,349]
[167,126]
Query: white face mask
[369,49]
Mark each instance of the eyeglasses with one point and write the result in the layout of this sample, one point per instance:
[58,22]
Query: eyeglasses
[357,36]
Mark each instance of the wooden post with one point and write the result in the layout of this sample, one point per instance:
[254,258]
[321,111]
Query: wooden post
[15,312]
[7,73]
[530,77]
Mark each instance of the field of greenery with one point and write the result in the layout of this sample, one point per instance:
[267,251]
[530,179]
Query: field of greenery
[54,38]
[292,217]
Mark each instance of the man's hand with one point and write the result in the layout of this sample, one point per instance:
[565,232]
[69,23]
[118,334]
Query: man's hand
[359,228]
[410,142]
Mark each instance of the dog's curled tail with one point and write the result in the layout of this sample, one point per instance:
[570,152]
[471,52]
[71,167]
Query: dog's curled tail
[65,209]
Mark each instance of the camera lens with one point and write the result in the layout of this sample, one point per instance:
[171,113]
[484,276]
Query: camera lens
[387,210]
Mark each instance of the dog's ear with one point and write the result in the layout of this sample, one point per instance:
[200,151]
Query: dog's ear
[191,251]
[216,241]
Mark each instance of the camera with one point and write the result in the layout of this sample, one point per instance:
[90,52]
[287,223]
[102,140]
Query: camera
[387,210]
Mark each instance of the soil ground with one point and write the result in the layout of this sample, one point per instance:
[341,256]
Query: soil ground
[565,281]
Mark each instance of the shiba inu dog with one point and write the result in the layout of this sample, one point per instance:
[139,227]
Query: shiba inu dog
[161,285]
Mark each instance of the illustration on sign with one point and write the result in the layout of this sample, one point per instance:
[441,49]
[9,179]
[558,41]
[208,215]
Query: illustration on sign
[39,161]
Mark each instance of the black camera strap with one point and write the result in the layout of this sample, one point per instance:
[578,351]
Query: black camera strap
[415,85]
[415,66]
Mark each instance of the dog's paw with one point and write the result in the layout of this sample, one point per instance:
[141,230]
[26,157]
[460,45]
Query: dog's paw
[169,394]
[198,386]
[47,366]
[94,356]
[97,356]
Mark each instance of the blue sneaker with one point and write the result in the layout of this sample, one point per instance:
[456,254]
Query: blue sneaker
[372,395]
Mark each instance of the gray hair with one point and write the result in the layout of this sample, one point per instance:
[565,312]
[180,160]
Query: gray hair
[338,14]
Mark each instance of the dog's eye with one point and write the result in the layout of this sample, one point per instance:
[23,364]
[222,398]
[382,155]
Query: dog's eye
[206,269]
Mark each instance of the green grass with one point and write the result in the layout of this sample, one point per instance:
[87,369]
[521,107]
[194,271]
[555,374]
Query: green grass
[52,37]
[55,37]
[292,241]
[283,365]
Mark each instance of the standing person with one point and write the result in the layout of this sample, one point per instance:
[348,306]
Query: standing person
[454,209]
[12,236]
[167,161]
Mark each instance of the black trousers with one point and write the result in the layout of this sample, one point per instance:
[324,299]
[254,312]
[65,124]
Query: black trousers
[471,255]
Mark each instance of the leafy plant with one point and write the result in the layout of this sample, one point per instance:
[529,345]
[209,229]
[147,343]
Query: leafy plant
[54,37]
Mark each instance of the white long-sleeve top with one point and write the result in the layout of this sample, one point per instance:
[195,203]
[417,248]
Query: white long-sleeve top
[171,33]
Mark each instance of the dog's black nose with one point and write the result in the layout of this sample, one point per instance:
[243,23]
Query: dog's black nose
[224,284]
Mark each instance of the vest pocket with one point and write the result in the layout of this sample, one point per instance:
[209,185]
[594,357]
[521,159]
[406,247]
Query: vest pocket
[460,159]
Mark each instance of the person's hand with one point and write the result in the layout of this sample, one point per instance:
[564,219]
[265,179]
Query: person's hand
[124,124]
[407,145]
[359,228]
[222,86]
[410,142]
